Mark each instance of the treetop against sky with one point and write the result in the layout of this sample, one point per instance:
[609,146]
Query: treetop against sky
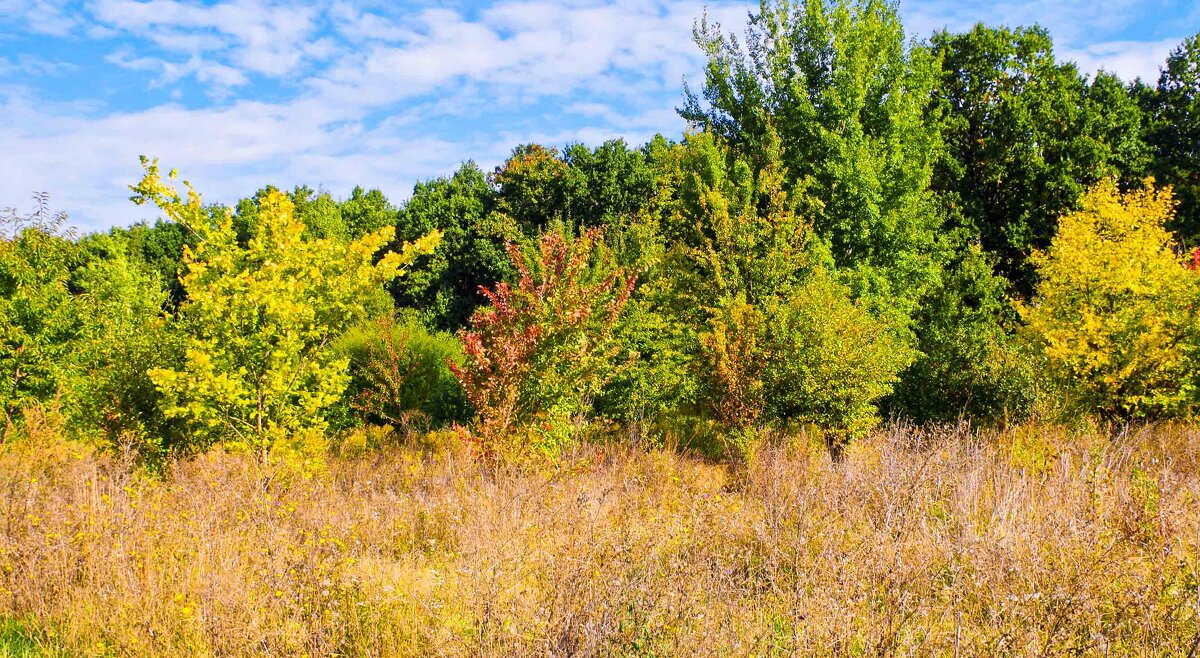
[241,93]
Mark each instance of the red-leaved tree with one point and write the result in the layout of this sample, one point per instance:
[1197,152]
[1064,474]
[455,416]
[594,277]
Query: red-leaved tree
[542,348]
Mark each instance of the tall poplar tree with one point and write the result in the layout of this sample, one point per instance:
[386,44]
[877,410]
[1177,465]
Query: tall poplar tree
[848,96]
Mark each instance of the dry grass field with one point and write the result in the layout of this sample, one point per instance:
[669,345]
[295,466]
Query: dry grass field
[1035,541]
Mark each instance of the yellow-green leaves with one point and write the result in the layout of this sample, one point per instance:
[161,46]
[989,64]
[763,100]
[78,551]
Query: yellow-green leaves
[258,319]
[1115,311]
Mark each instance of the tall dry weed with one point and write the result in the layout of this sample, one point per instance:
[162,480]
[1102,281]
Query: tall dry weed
[1038,541]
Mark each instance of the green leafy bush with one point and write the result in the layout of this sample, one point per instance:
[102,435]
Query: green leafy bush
[39,321]
[812,357]
[125,337]
[400,374]
[970,362]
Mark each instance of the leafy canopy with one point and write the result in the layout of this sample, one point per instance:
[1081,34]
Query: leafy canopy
[1116,309]
[39,323]
[1025,136]
[848,99]
[259,319]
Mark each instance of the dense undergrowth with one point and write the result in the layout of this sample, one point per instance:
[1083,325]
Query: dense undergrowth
[1034,541]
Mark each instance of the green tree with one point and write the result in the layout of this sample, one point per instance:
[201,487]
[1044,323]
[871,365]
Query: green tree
[604,186]
[259,319]
[39,321]
[366,212]
[1025,136]
[768,325]
[1115,314]
[445,286]
[970,364]
[159,247]
[1173,131]
[532,187]
[318,213]
[400,373]
[125,337]
[848,98]
[609,185]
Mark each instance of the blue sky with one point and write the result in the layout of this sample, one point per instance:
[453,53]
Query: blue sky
[237,94]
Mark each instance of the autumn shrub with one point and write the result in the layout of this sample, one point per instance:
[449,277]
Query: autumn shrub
[543,347]
[830,361]
[259,320]
[814,357]
[1115,311]
[400,374]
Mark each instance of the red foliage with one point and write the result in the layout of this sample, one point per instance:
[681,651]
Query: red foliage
[550,323]
[1193,260]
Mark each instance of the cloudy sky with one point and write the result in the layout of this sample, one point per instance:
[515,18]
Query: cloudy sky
[240,93]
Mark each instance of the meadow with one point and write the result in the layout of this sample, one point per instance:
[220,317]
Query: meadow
[1037,540]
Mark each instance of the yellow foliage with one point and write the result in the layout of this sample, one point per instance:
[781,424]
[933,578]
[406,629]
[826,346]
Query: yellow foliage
[258,319]
[1115,308]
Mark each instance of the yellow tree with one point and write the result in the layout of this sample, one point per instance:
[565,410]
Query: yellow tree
[1114,312]
[258,320]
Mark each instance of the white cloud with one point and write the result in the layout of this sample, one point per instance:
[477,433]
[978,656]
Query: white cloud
[47,17]
[256,37]
[1081,29]
[386,94]
[219,75]
[1128,59]
[29,65]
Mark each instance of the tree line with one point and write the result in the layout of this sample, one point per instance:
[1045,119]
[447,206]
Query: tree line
[856,226]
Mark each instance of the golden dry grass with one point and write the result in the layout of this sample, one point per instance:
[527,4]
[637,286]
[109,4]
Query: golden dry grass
[1036,541]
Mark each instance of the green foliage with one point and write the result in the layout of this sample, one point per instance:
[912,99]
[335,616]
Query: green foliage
[811,357]
[606,186]
[259,319]
[829,360]
[848,99]
[543,348]
[731,225]
[318,211]
[532,187]
[772,337]
[1025,136]
[1173,132]
[39,323]
[444,286]
[400,373]
[158,248]
[853,222]
[661,381]
[1115,315]
[364,213]
[717,228]
[367,212]
[125,337]
[970,364]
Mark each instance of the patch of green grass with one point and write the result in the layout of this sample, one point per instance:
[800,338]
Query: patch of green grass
[17,640]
